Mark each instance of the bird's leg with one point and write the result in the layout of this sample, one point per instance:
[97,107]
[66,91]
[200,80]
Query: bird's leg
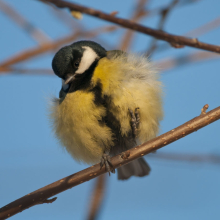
[135,121]
[105,160]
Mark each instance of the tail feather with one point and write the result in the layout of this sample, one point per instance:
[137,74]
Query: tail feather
[138,167]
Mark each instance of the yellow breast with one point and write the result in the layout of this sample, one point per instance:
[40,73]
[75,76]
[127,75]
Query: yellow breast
[76,124]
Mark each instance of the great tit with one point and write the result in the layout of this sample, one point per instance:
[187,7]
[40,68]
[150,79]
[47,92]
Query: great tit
[109,102]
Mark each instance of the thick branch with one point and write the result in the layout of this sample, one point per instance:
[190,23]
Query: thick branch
[59,186]
[175,40]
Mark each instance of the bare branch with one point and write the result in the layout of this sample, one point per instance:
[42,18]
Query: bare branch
[204,109]
[175,40]
[27,54]
[129,34]
[194,33]
[97,197]
[204,28]
[66,18]
[47,47]
[181,3]
[174,62]
[37,34]
[164,15]
[8,70]
[59,186]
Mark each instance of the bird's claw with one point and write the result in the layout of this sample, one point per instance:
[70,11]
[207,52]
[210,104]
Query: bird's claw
[135,121]
[108,165]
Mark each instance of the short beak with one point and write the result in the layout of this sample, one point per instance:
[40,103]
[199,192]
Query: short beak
[69,79]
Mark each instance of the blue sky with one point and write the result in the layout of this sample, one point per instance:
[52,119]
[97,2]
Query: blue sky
[30,156]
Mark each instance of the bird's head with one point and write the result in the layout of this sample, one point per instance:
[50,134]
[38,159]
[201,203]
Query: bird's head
[72,62]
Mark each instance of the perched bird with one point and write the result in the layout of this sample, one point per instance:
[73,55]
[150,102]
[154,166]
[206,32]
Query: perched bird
[109,102]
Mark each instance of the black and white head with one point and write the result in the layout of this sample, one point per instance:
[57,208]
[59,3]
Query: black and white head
[74,63]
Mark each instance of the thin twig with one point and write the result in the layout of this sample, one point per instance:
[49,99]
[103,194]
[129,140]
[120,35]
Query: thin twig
[204,28]
[204,109]
[8,70]
[163,17]
[173,62]
[138,14]
[61,185]
[66,18]
[47,47]
[156,11]
[175,40]
[97,197]
[37,34]
[27,54]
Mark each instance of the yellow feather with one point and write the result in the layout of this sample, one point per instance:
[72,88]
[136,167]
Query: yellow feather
[76,124]
[132,82]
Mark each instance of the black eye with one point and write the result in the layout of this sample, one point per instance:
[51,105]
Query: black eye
[76,64]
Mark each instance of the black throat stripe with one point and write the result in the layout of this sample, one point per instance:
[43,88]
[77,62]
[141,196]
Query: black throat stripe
[82,81]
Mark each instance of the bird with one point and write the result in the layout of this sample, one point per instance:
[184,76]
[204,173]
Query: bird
[109,102]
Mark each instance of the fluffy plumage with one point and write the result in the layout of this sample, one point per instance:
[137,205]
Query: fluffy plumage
[95,119]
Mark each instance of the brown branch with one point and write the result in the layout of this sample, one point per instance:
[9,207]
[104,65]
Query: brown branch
[61,185]
[30,53]
[27,54]
[175,40]
[97,197]
[195,32]
[37,34]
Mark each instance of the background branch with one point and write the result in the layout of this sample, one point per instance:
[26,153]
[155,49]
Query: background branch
[175,40]
[61,185]
[196,158]
[174,62]
[205,28]
[139,13]
[38,35]
[47,47]
[97,197]
[163,17]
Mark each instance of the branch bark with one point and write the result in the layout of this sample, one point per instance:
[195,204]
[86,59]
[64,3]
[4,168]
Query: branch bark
[42,194]
[175,40]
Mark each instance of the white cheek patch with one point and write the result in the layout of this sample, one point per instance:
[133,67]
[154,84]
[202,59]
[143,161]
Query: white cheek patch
[89,56]
[65,86]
